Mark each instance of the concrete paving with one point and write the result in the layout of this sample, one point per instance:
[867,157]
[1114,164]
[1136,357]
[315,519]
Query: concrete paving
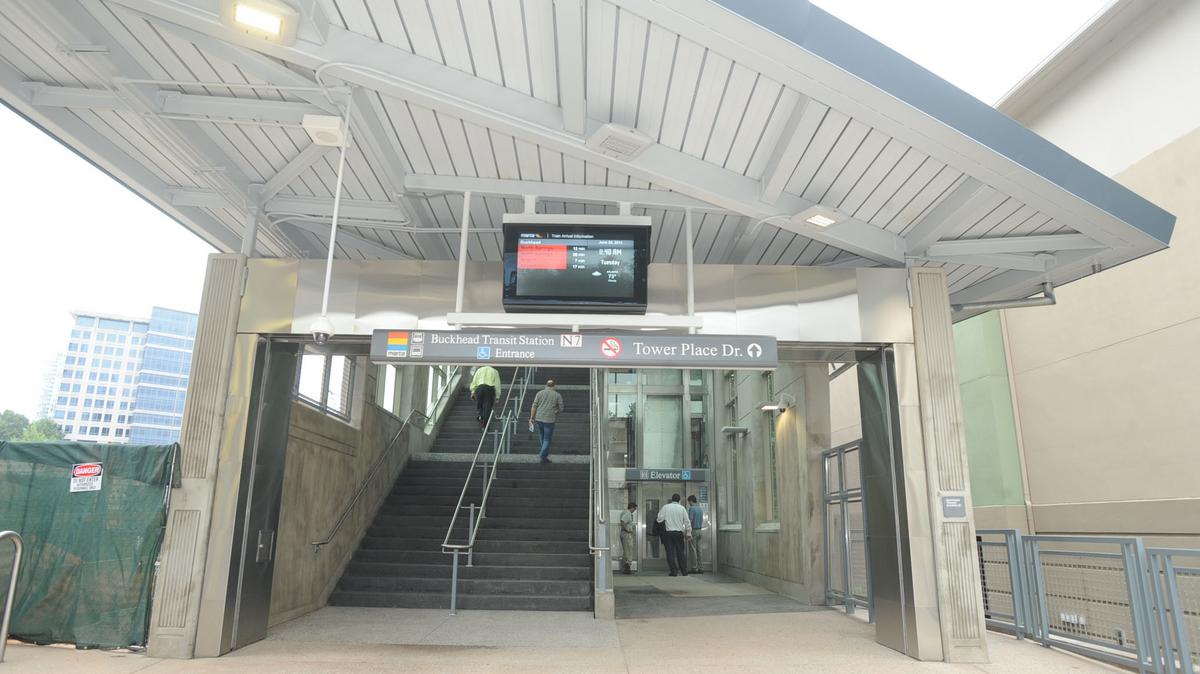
[376,640]
[651,595]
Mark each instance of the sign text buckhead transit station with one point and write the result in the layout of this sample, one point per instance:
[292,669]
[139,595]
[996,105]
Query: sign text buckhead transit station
[577,349]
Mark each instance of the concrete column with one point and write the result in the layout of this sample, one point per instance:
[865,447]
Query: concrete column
[214,421]
[945,567]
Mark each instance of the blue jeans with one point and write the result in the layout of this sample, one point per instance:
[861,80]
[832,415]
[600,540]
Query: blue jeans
[545,432]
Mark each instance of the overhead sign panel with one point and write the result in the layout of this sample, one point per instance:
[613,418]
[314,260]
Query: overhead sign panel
[574,349]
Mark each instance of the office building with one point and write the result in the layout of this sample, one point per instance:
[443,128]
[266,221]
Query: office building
[123,380]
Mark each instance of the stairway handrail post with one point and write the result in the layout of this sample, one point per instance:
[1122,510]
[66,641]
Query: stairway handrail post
[471,527]
[454,585]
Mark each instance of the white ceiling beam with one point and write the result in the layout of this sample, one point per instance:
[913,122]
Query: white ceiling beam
[1017,284]
[941,218]
[172,102]
[350,239]
[199,197]
[250,109]
[403,75]
[1015,244]
[50,96]
[1038,263]
[572,64]
[352,209]
[787,153]
[557,191]
[311,154]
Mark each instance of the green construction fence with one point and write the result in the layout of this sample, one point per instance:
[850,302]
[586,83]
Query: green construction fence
[92,517]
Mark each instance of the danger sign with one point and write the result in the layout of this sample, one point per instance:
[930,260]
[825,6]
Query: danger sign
[610,347]
[87,476]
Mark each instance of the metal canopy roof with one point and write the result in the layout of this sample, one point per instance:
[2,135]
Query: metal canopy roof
[757,111]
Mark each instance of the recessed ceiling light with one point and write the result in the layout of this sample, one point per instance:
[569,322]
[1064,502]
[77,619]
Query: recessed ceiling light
[271,20]
[820,216]
[255,17]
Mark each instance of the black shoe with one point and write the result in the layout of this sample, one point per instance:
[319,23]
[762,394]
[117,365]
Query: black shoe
[545,460]
[674,574]
[685,573]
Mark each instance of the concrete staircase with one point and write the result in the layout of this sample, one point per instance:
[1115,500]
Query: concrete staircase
[531,552]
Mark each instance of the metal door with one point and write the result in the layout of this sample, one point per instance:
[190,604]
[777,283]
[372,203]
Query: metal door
[847,581]
[252,563]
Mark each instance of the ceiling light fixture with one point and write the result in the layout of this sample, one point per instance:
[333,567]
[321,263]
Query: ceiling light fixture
[621,142]
[820,216]
[324,130]
[271,20]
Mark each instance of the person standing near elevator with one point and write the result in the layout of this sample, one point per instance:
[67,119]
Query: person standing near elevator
[678,528]
[485,386]
[628,528]
[696,518]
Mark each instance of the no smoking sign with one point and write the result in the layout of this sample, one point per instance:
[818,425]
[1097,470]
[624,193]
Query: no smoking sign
[610,347]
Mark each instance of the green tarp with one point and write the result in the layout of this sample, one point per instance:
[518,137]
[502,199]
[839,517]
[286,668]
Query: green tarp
[88,566]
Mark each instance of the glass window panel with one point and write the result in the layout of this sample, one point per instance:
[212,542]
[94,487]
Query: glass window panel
[312,377]
[389,389]
[698,432]
[622,377]
[622,429]
[341,378]
[663,432]
[662,377]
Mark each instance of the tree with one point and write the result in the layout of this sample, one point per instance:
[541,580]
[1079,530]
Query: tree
[12,425]
[42,430]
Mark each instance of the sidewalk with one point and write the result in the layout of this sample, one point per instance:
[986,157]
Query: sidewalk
[376,640]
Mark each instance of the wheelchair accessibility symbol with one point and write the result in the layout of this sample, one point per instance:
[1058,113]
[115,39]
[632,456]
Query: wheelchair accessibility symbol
[483,353]
[685,475]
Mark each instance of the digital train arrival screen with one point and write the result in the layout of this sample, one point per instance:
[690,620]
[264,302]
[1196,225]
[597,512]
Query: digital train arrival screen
[590,268]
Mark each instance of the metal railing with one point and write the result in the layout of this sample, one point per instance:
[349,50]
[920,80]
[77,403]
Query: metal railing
[447,387]
[847,579]
[510,414]
[597,484]
[14,571]
[1107,597]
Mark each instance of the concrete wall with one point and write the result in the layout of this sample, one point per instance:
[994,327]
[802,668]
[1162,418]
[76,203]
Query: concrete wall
[1107,382]
[785,557]
[327,460]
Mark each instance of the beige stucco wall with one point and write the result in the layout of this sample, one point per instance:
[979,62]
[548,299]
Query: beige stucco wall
[1108,382]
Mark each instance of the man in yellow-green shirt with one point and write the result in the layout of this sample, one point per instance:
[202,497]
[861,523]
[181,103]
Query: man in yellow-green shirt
[485,386]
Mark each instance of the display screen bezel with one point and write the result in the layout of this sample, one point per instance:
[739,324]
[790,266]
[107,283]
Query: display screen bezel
[639,234]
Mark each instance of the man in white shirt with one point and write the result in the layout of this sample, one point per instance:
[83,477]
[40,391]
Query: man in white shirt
[679,527]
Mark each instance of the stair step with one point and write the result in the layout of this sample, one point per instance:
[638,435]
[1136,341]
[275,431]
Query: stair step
[505,586]
[488,558]
[443,571]
[465,601]
[524,545]
[379,532]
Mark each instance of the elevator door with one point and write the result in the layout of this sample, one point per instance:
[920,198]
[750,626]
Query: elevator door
[651,497]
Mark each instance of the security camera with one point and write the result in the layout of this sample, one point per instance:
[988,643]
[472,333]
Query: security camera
[322,330]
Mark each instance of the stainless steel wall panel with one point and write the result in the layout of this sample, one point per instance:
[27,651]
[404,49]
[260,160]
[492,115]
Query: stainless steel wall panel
[796,304]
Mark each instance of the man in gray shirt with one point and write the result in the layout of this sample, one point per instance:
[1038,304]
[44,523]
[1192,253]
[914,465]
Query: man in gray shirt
[544,412]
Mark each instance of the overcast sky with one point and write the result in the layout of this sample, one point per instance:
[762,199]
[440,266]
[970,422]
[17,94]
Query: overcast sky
[75,239]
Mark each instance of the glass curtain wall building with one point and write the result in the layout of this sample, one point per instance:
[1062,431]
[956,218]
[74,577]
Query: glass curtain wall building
[124,379]
[163,377]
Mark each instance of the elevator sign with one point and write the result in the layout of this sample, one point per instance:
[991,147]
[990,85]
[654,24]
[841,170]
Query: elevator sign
[617,349]
[665,474]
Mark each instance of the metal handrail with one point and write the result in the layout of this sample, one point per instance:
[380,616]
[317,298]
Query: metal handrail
[383,456]
[595,493]
[18,548]
[507,419]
